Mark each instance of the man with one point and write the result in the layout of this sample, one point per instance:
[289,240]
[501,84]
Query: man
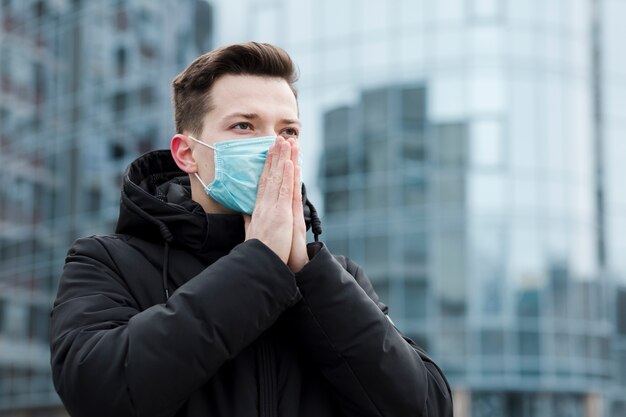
[207,300]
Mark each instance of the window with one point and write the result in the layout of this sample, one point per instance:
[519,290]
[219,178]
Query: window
[336,126]
[413,107]
[487,149]
[487,92]
[415,299]
[621,313]
[375,117]
[483,10]
[336,163]
[376,196]
[413,149]
[376,156]
[450,143]
[414,192]
[338,246]
[2,307]
[529,343]
[528,303]
[120,59]
[38,323]
[376,250]
[119,103]
[336,201]
[15,319]
[415,249]
[203,26]
[492,342]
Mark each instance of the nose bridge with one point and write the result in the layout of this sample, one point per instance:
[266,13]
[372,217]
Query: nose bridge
[270,132]
[269,129]
[268,124]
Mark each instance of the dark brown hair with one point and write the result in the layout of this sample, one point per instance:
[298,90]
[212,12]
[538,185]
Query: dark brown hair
[192,87]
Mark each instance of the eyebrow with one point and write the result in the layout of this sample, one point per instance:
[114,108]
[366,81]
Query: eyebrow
[255,116]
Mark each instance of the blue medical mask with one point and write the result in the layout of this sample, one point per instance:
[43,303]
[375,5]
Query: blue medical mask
[238,168]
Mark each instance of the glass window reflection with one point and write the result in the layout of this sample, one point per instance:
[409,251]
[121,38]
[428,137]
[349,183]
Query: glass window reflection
[487,147]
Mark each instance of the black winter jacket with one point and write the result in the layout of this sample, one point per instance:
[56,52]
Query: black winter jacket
[237,334]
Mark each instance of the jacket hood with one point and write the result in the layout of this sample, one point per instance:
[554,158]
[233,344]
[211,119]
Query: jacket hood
[156,205]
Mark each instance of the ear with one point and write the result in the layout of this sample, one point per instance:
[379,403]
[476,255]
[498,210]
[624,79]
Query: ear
[181,152]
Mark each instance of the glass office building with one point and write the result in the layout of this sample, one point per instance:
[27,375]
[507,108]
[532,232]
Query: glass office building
[469,158]
[84,89]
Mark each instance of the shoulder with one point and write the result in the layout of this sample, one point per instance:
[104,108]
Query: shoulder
[114,255]
[117,266]
[106,249]
[112,247]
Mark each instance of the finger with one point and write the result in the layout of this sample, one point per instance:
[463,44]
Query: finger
[265,173]
[276,178]
[246,221]
[295,149]
[298,207]
[269,190]
[297,191]
[285,196]
[276,147]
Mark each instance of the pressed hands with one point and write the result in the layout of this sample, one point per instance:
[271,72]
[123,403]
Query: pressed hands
[278,218]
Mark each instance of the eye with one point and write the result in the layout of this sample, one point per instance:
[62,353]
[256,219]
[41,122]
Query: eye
[290,132]
[242,126]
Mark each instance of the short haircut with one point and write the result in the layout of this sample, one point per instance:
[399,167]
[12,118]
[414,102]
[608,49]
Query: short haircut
[192,87]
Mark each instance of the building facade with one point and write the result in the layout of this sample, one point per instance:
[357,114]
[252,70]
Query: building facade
[469,157]
[84,89]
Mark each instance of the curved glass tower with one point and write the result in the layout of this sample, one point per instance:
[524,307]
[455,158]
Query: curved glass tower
[468,159]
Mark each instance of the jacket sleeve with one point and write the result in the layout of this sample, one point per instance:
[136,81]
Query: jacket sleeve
[111,359]
[372,369]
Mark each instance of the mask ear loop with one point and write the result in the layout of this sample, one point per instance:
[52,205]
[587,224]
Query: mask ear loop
[208,146]
[200,142]
[200,179]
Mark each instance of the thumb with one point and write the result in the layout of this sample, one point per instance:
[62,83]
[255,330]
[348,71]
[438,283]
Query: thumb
[246,221]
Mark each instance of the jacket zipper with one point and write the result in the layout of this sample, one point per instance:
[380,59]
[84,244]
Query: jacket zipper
[267,378]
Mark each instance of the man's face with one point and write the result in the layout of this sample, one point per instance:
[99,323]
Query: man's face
[245,106]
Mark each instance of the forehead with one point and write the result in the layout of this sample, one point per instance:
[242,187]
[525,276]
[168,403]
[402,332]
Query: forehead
[269,96]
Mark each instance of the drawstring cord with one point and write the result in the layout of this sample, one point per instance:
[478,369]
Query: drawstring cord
[167,237]
[166,257]
[316,224]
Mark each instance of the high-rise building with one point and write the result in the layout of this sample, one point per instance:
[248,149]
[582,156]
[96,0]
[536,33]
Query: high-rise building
[84,88]
[471,163]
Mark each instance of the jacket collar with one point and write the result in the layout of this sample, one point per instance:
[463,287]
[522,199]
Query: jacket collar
[156,205]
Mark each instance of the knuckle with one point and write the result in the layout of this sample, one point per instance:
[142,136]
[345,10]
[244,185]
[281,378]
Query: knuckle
[284,189]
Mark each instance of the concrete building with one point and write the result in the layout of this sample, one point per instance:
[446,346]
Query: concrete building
[84,89]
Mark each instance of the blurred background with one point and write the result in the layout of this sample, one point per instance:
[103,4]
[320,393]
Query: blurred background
[470,154]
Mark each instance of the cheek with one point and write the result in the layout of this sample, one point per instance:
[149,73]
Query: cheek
[204,163]
[208,168]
